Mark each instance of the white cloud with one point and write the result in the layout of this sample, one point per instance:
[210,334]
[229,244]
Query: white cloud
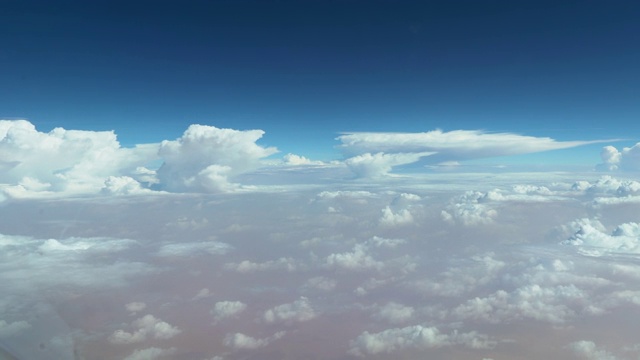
[246,266]
[357,260]
[193,248]
[387,243]
[369,165]
[297,311]
[390,218]
[144,327]
[225,309]
[27,263]
[588,350]
[472,208]
[627,159]
[591,238]
[394,313]
[297,160]
[414,337]
[345,194]
[205,158]
[242,341]
[64,161]
[451,146]
[123,185]
[548,303]
[152,353]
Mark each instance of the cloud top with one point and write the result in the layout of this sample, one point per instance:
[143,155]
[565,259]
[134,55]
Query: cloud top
[204,158]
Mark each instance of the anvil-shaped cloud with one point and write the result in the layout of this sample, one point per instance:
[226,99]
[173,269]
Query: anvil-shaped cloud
[443,146]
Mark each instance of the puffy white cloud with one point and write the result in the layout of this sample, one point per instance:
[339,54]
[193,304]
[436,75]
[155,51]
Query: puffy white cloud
[608,185]
[471,208]
[246,266]
[205,158]
[123,185]
[345,194]
[297,160]
[415,337]
[358,259]
[394,313]
[146,326]
[297,311]
[387,243]
[627,159]
[591,237]
[452,145]
[64,161]
[242,341]
[549,304]
[391,218]
[369,165]
[588,350]
[152,353]
[225,309]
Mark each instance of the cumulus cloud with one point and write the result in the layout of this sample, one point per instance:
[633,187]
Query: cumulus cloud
[152,353]
[588,350]
[297,311]
[205,158]
[298,160]
[415,337]
[591,237]
[247,266]
[627,159]
[34,163]
[608,186]
[144,327]
[242,341]
[123,185]
[394,313]
[225,309]
[472,208]
[549,304]
[369,165]
[358,259]
[391,218]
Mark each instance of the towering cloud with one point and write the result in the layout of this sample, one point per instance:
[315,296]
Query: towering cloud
[626,159]
[206,157]
[69,161]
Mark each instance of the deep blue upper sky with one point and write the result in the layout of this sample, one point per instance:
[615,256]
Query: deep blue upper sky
[305,70]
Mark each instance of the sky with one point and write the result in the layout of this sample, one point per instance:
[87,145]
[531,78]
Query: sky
[317,68]
[227,180]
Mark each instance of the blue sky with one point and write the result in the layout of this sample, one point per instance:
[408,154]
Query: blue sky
[305,71]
